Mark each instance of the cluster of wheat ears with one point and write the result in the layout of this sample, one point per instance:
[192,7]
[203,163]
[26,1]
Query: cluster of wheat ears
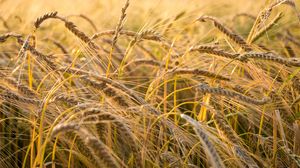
[150,98]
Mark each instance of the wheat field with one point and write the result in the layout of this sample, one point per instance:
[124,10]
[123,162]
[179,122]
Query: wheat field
[149,83]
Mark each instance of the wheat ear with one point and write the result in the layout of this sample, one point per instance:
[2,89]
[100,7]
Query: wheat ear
[10,95]
[198,72]
[121,126]
[210,150]
[224,92]
[270,57]
[213,50]
[240,151]
[98,83]
[5,36]
[120,23]
[95,145]
[226,31]
[39,54]
[87,19]
[69,25]
[41,19]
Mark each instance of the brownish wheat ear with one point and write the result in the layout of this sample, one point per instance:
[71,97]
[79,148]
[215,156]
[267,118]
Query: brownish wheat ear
[226,31]
[270,57]
[5,36]
[117,120]
[25,90]
[70,100]
[11,96]
[224,92]
[149,62]
[80,34]
[198,72]
[87,19]
[99,81]
[53,65]
[41,19]
[145,35]
[69,25]
[214,51]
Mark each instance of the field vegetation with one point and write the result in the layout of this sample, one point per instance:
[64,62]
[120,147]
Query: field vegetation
[149,83]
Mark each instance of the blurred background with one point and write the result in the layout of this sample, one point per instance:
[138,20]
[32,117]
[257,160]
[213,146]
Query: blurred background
[105,13]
